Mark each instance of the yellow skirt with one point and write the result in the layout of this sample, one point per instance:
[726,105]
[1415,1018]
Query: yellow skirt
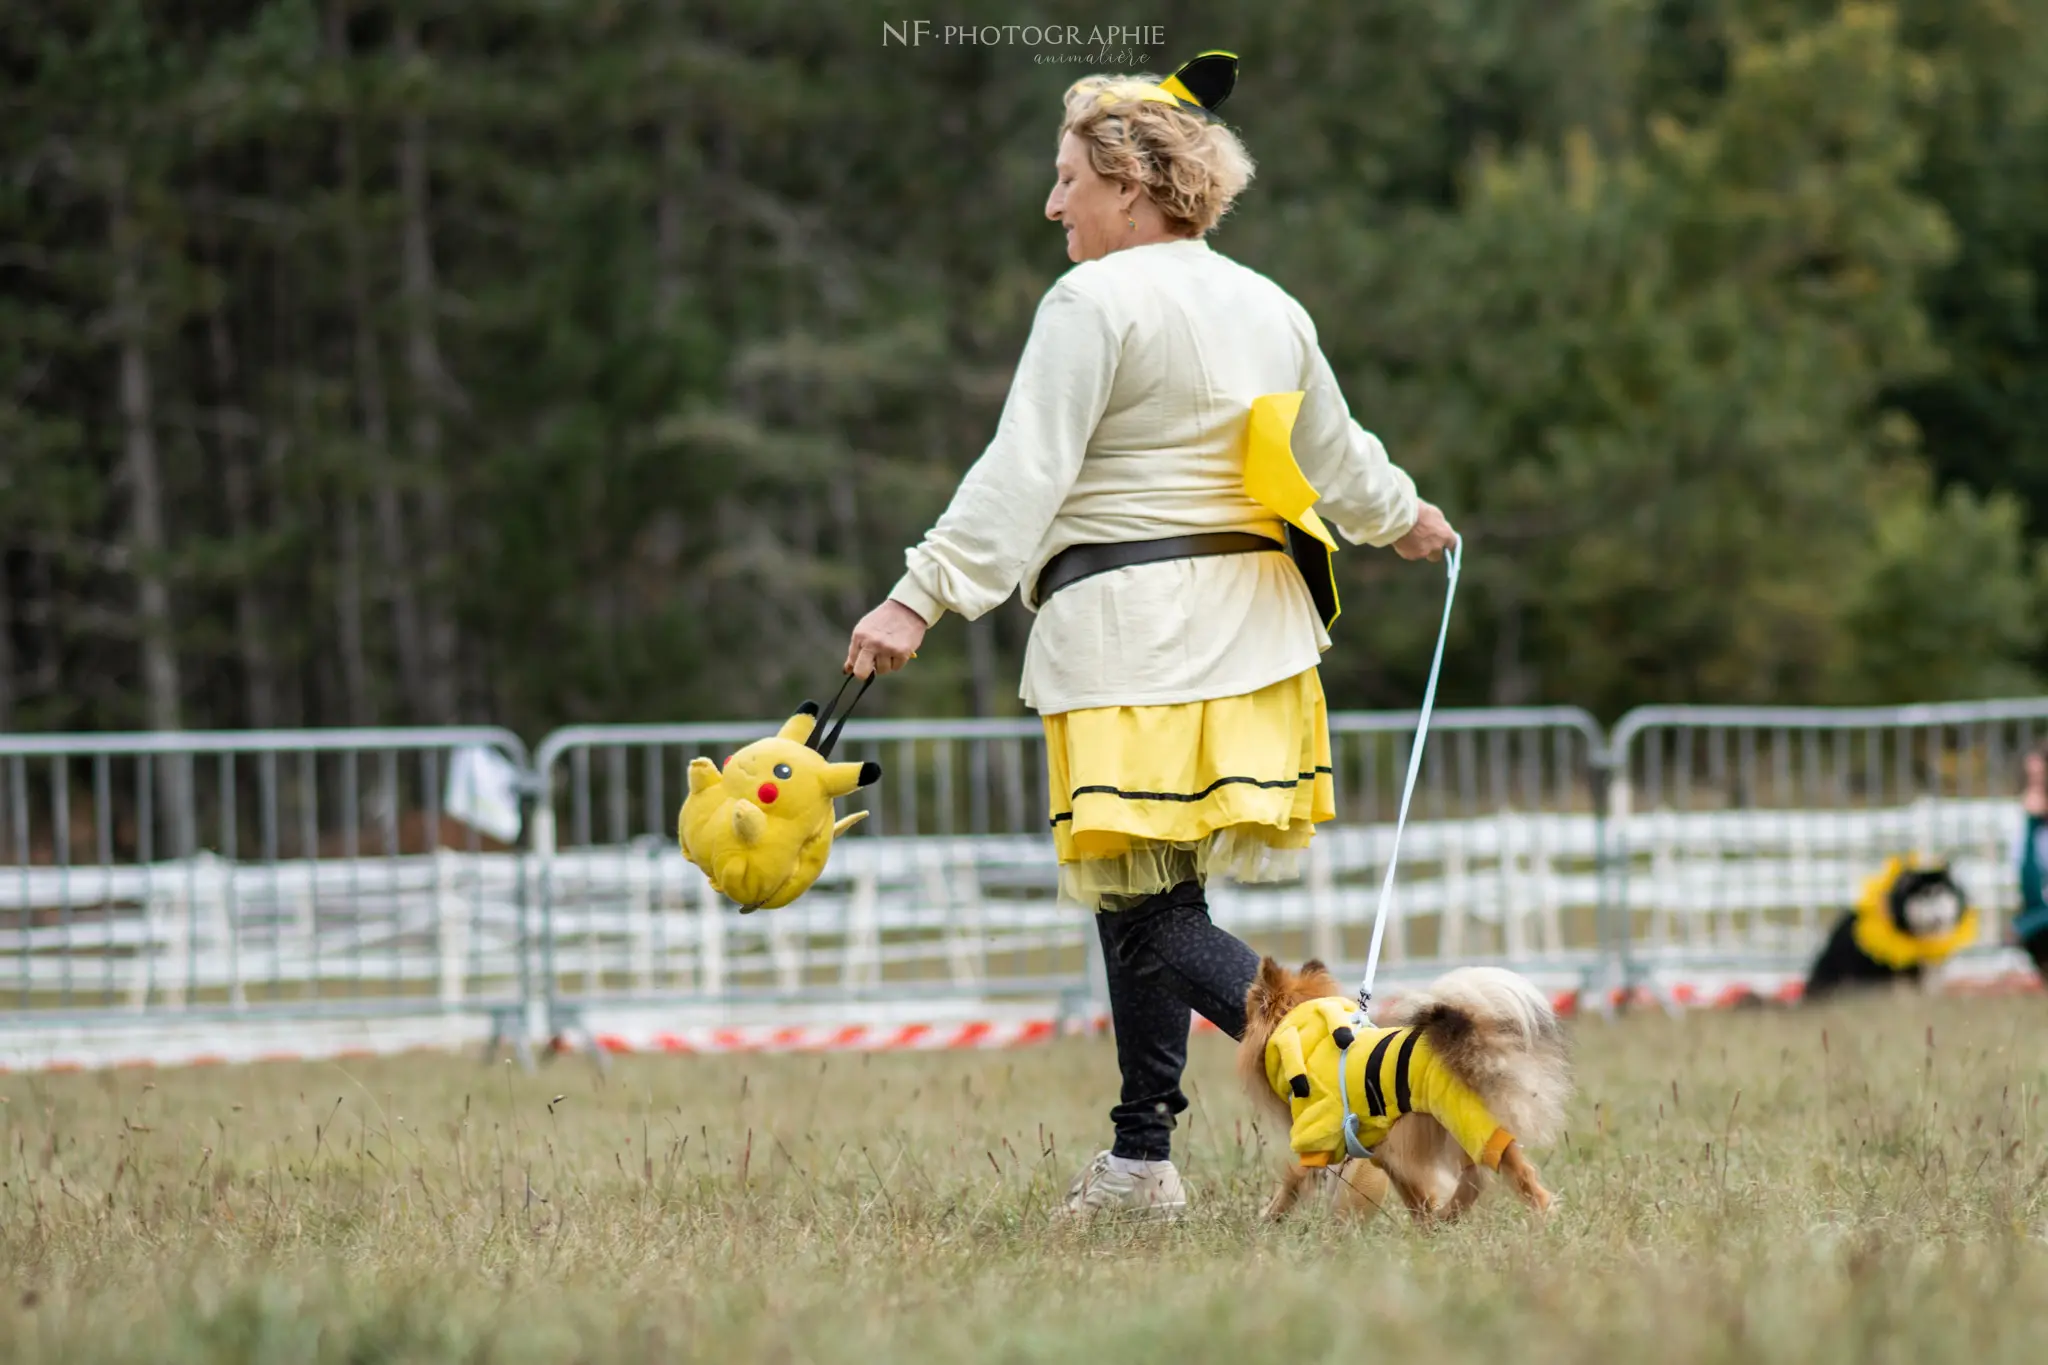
[1147,797]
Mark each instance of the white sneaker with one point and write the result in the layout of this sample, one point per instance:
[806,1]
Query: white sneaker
[1109,1186]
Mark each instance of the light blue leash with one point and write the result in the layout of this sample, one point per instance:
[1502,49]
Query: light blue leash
[1379,922]
[1354,1147]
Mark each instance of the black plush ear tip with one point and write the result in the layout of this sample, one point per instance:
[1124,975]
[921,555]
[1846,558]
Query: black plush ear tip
[1210,78]
[1299,1085]
[870,773]
[809,708]
[1341,1036]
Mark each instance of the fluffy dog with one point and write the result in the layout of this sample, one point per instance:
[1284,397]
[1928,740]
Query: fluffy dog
[1911,916]
[1470,1070]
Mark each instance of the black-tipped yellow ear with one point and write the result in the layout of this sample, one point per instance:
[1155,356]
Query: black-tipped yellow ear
[1205,81]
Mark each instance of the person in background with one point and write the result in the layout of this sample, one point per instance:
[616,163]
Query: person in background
[2030,927]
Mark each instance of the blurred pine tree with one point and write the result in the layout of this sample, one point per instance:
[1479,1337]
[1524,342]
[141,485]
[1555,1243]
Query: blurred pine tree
[542,363]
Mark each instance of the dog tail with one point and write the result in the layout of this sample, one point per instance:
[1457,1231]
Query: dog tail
[1498,1034]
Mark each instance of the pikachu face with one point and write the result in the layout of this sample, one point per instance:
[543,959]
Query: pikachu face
[762,825]
[786,778]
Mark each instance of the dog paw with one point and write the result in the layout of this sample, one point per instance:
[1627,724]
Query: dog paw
[1279,1206]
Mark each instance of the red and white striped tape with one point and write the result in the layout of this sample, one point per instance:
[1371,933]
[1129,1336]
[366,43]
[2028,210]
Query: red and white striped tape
[1019,1032]
[230,1044]
[951,1036]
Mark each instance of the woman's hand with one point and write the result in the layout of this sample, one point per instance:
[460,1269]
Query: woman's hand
[886,639]
[1429,537]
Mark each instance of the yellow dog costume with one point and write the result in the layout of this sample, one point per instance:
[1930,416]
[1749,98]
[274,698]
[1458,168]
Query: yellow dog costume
[1319,1054]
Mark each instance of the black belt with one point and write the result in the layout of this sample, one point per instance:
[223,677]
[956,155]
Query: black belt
[1077,562]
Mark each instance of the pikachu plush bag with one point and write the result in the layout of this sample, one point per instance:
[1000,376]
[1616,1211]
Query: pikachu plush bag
[762,826]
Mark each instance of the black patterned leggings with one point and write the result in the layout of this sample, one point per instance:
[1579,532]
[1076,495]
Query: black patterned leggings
[1165,958]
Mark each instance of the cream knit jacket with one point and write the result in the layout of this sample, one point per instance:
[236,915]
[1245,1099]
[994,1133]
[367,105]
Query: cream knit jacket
[1126,421]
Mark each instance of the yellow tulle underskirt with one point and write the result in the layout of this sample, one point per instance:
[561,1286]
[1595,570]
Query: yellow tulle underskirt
[1146,797]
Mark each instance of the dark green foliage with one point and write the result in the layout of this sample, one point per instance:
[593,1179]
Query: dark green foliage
[545,362]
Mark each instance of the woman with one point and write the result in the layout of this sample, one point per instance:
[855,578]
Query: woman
[2030,925]
[1176,678]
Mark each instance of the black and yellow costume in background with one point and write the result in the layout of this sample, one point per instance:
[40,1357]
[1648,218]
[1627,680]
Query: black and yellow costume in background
[1874,944]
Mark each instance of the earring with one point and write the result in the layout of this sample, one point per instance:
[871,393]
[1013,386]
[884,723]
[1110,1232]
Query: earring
[1133,222]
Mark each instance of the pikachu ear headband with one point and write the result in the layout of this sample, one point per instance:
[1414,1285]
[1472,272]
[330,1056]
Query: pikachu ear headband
[1199,87]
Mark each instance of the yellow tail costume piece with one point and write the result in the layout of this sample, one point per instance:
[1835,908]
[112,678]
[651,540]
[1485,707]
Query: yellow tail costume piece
[1389,1072]
[761,827]
[1273,480]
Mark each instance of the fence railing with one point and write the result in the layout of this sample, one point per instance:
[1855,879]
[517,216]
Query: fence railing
[949,886]
[1741,833]
[304,874]
[286,874]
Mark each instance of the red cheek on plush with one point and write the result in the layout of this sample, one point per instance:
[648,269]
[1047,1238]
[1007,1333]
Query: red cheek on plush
[768,793]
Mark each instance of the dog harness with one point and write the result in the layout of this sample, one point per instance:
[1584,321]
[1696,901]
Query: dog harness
[1353,1146]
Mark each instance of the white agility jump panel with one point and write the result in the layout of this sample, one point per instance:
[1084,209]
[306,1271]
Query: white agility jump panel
[962,912]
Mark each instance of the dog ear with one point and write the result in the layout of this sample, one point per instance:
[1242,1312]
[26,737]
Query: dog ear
[1312,966]
[1266,987]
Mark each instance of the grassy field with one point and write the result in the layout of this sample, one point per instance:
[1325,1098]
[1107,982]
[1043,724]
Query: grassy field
[1864,1184]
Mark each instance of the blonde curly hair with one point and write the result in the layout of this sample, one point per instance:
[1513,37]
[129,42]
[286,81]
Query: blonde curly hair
[1191,168]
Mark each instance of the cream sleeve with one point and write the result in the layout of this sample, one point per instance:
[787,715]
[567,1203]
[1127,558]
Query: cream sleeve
[976,554]
[1367,497]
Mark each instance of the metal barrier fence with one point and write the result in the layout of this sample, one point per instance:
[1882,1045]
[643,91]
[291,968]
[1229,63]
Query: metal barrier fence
[942,890]
[378,873]
[1740,835]
[950,885]
[278,875]
[1499,863]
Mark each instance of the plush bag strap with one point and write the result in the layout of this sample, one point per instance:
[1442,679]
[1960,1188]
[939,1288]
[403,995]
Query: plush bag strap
[824,745]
